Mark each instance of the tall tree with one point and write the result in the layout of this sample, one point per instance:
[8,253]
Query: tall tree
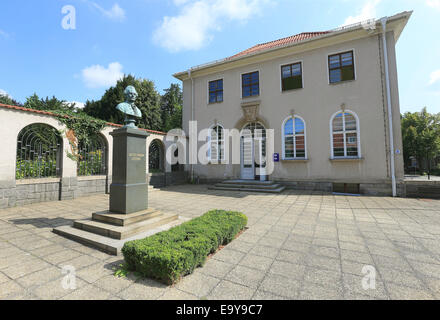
[52,104]
[5,99]
[171,108]
[421,137]
[148,102]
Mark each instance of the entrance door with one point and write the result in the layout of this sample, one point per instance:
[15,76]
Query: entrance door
[247,157]
[253,151]
[260,155]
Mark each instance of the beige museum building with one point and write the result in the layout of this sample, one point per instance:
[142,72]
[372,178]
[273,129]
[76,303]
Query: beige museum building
[331,98]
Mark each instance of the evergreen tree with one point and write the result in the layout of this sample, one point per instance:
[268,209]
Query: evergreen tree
[171,108]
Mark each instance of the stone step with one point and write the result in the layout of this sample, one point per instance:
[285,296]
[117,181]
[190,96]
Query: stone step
[108,245]
[123,232]
[125,219]
[248,182]
[252,186]
[278,190]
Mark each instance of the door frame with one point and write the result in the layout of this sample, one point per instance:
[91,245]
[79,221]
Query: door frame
[243,174]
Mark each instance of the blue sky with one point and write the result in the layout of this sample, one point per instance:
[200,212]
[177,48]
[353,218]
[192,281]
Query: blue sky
[156,38]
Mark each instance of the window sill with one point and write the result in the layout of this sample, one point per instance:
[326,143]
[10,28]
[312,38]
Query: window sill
[217,163]
[342,159]
[341,82]
[298,160]
[250,97]
[213,103]
[291,90]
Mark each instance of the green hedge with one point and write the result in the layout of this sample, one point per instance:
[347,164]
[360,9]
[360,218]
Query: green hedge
[169,255]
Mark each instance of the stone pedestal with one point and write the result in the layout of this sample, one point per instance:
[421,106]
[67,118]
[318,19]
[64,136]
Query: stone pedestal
[129,217]
[129,188]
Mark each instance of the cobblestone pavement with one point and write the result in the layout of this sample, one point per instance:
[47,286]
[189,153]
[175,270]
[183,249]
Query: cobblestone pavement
[299,245]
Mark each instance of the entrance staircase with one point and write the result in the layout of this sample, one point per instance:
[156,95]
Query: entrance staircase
[249,186]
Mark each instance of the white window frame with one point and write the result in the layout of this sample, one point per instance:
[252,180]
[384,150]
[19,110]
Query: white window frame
[345,132]
[294,138]
[218,142]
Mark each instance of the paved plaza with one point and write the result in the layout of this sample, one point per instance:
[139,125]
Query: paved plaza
[299,245]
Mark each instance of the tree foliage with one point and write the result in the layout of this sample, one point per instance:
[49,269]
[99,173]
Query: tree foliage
[171,108]
[161,113]
[148,102]
[5,99]
[52,104]
[421,136]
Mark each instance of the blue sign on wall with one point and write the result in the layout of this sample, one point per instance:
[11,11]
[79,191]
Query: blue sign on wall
[276,157]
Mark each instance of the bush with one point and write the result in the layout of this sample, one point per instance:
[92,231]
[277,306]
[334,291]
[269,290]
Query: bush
[169,255]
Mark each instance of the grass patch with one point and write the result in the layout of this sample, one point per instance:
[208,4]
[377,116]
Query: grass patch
[167,256]
[122,271]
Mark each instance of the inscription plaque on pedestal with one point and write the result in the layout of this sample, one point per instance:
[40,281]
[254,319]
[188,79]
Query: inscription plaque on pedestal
[129,188]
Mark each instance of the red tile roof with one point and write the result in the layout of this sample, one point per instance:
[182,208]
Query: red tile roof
[48,113]
[281,42]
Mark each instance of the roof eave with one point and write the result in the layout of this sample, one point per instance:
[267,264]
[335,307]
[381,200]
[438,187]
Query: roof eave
[185,75]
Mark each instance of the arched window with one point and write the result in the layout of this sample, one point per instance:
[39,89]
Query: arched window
[294,138]
[39,150]
[92,156]
[156,157]
[344,128]
[216,151]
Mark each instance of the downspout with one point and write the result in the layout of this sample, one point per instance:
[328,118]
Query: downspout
[390,115]
[192,116]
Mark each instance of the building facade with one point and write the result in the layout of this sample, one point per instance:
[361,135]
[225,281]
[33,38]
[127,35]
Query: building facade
[331,98]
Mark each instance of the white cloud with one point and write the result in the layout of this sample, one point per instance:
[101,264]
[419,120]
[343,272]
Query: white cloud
[4,93]
[435,77]
[433,4]
[115,13]
[97,76]
[368,11]
[193,27]
[78,105]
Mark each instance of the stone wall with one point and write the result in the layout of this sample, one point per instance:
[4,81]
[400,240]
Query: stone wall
[28,192]
[159,180]
[422,189]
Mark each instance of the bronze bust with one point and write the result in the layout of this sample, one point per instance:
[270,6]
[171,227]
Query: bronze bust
[129,108]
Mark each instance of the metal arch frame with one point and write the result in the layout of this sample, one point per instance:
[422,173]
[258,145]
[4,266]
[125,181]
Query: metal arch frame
[38,146]
[97,143]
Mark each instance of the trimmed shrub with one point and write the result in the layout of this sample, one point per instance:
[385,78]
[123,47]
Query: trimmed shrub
[169,255]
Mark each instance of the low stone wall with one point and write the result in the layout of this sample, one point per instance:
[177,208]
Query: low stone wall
[422,189]
[177,177]
[370,189]
[307,185]
[25,192]
[159,180]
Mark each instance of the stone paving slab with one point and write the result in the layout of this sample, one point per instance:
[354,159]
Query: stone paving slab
[299,245]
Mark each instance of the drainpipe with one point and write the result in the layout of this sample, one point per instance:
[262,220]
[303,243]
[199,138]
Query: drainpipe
[390,115]
[192,116]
